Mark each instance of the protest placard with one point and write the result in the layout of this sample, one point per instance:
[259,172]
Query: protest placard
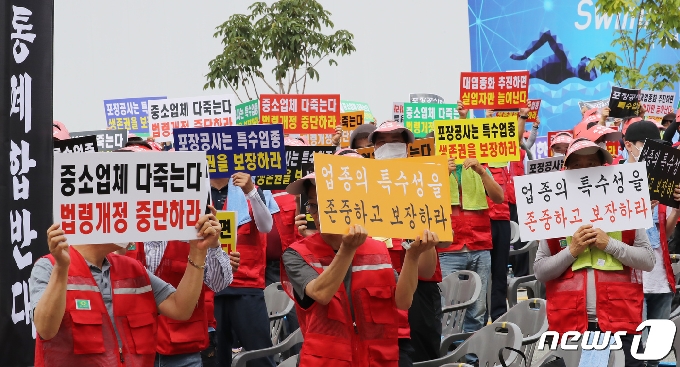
[613,147]
[76,145]
[556,204]
[367,152]
[107,140]
[317,140]
[663,163]
[301,113]
[534,105]
[500,90]
[540,148]
[202,111]
[350,106]
[420,117]
[657,104]
[296,157]
[248,113]
[350,121]
[131,114]
[599,103]
[624,102]
[253,149]
[544,165]
[425,98]
[489,139]
[398,112]
[391,198]
[131,197]
[229,230]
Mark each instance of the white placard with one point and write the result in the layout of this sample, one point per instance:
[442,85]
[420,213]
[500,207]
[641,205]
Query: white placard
[556,204]
[202,111]
[544,165]
[657,104]
[129,197]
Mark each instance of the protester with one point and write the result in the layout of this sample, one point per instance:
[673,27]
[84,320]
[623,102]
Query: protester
[667,120]
[245,295]
[392,132]
[659,284]
[560,142]
[470,184]
[74,289]
[359,137]
[580,300]
[367,304]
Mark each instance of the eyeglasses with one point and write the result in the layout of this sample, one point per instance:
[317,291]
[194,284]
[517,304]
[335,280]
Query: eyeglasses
[312,208]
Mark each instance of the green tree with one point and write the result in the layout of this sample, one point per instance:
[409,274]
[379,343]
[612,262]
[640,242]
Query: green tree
[648,24]
[289,32]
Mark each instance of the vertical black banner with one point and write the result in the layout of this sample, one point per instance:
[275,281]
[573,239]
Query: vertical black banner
[26,43]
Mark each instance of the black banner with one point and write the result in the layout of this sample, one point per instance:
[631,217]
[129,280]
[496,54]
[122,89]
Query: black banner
[624,102]
[77,145]
[295,158]
[107,140]
[663,165]
[25,165]
[307,168]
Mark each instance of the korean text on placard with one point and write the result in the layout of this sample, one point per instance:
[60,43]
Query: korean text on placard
[487,140]
[420,117]
[254,149]
[500,90]
[296,159]
[301,113]
[663,166]
[350,121]
[204,111]
[107,140]
[556,204]
[248,113]
[130,114]
[390,198]
[544,165]
[113,198]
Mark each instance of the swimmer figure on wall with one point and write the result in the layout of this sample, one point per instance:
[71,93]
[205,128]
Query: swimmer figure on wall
[555,68]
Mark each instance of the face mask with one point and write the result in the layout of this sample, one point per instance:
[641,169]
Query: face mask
[555,154]
[391,150]
[122,245]
[602,145]
[636,157]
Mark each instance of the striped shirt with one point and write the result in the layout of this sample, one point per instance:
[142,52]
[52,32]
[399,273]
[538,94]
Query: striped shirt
[217,274]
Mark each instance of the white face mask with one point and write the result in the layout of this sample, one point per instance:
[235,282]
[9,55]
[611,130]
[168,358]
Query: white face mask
[122,245]
[391,150]
[603,145]
[636,157]
[555,154]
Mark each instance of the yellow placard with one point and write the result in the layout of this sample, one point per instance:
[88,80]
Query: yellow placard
[229,226]
[350,121]
[489,139]
[395,198]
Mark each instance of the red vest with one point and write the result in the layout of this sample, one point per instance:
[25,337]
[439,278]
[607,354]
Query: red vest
[619,297]
[500,211]
[397,254]
[252,246]
[86,336]
[178,337]
[664,247]
[284,220]
[471,228]
[331,339]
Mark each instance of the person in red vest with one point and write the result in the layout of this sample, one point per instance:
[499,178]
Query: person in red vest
[74,291]
[470,184]
[584,299]
[345,288]
[240,308]
[658,285]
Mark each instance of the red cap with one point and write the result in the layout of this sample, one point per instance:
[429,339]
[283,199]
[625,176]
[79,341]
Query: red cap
[59,131]
[347,152]
[135,148]
[602,132]
[293,142]
[392,126]
[591,112]
[625,126]
[561,138]
[298,186]
[582,126]
[586,147]
[155,146]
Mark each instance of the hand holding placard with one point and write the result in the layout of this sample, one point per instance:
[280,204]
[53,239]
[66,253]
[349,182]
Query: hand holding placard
[356,236]
[208,232]
[56,242]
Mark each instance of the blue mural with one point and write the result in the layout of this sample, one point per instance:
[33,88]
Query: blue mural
[554,40]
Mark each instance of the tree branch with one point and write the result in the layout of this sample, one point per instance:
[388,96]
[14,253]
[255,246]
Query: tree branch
[637,32]
[232,88]
[315,64]
[268,85]
[257,94]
